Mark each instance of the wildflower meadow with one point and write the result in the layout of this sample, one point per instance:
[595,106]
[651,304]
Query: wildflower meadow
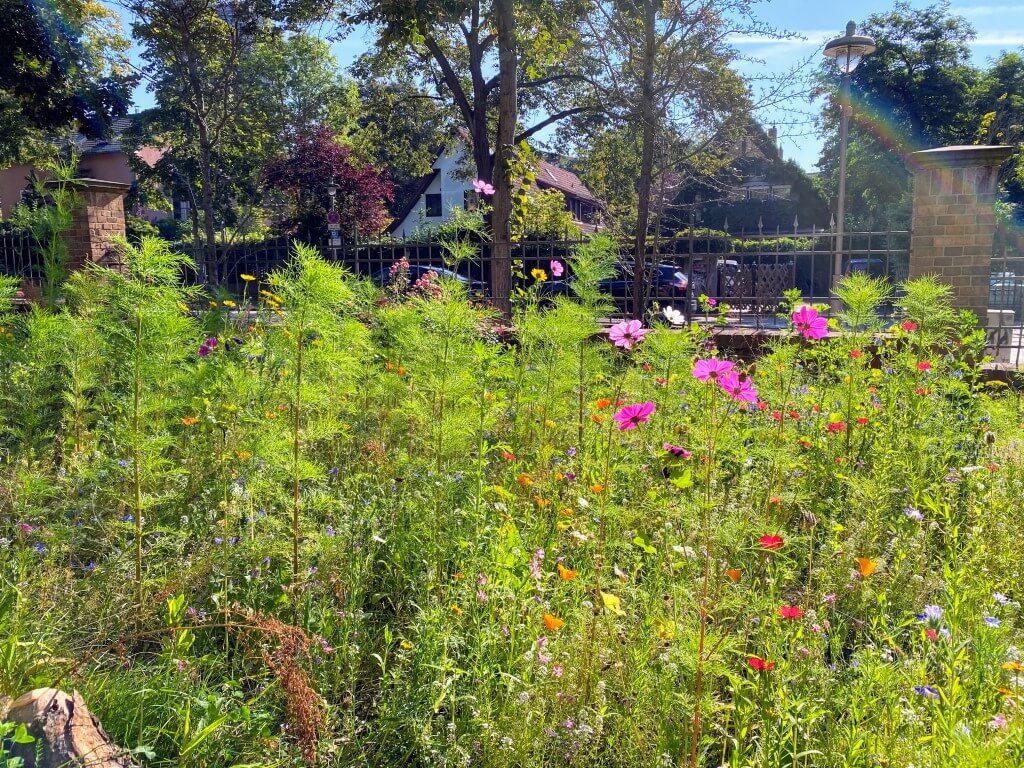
[328,524]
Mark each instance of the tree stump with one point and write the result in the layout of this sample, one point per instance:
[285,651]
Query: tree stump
[66,734]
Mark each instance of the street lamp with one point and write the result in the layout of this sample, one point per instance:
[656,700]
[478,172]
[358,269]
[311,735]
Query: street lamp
[333,220]
[847,51]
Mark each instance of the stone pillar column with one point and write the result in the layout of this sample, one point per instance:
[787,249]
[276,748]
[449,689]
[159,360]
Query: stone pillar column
[98,218]
[954,219]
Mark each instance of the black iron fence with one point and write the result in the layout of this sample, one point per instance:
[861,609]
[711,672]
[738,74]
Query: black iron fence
[1005,321]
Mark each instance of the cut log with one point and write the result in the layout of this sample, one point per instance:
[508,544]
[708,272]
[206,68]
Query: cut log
[66,734]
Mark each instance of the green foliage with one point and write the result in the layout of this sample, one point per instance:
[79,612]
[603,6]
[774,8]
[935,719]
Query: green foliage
[380,529]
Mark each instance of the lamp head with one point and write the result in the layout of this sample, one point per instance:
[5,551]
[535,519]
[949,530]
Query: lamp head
[849,49]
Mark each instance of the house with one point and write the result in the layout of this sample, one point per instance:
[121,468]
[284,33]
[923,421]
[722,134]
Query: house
[447,187]
[103,159]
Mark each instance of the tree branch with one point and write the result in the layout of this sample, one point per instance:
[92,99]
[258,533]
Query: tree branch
[551,119]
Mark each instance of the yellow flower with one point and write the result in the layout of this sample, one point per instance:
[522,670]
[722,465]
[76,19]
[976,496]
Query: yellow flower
[247,278]
[181,305]
[666,629]
[612,604]
[243,455]
[406,645]
[539,275]
[456,610]
[549,424]
[229,304]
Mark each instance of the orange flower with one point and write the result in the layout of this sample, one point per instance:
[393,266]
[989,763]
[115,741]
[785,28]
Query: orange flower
[566,573]
[1014,666]
[271,415]
[866,566]
[541,502]
[456,610]
[389,366]
[602,403]
[524,480]
[243,455]
[597,418]
[597,488]
[552,622]
[190,421]
[401,370]
[775,500]
[733,574]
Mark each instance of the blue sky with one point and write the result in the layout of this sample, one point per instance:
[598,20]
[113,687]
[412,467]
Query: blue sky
[1000,27]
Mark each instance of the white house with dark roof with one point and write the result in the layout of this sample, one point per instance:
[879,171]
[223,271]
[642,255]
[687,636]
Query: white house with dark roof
[447,187]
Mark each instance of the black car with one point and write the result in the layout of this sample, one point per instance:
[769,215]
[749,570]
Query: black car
[668,282]
[382,277]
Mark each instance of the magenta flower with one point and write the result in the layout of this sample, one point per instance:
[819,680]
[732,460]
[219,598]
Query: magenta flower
[627,333]
[711,369]
[809,323]
[632,416]
[25,528]
[557,270]
[482,187]
[676,450]
[740,390]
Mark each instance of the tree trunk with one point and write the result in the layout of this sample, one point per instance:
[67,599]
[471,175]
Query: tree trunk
[647,118]
[501,248]
[66,734]
[210,259]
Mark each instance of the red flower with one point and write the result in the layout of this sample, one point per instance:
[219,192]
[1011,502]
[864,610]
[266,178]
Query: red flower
[777,415]
[931,634]
[921,391]
[771,542]
[924,365]
[762,405]
[836,426]
[507,456]
[862,421]
[790,611]
[909,326]
[805,442]
[756,662]
[855,353]
[816,408]
[795,415]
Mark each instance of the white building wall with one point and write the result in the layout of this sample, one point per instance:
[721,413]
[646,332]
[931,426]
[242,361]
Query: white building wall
[450,165]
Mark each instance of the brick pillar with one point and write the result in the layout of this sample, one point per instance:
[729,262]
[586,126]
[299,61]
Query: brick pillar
[954,219]
[98,218]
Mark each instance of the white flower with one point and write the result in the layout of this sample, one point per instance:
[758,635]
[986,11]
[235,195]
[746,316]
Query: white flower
[674,316]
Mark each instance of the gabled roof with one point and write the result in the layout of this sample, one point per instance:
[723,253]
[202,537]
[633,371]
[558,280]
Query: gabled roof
[550,175]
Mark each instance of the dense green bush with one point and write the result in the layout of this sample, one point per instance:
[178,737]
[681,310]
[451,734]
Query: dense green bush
[330,524]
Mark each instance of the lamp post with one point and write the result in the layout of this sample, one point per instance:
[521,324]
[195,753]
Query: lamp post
[847,51]
[333,220]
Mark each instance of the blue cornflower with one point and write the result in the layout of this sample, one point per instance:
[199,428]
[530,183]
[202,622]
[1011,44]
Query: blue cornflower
[913,513]
[992,621]
[333,471]
[572,450]
[127,518]
[122,462]
[1000,598]
[329,531]
[38,547]
[927,691]
[218,540]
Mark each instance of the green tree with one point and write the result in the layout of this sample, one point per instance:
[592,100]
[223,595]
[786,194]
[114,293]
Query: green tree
[64,67]
[454,45]
[917,91]
[1001,102]
[663,70]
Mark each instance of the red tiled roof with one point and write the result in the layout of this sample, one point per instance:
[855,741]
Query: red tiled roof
[549,175]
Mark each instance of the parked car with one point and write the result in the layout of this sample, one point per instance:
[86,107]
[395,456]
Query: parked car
[1005,291]
[668,282]
[382,277]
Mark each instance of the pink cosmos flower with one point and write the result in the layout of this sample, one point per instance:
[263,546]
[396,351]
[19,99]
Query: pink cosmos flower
[809,323]
[676,450]
[713,368]
[482,187]
[740,390]
[627,333]
[557,270]
[632,416]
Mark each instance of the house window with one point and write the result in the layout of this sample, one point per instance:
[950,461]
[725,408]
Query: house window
[433,205]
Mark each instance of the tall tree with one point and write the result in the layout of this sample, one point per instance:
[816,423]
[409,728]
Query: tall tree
[207,62]
[662,69]
[64,67]
[454,47]
[917,91]
[1001,104]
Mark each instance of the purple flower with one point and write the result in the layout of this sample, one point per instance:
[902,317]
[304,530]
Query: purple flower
[25,528]
[627,333]
[676,450]
[927,691]
[38,547]
[571,451]
[333,471]
[557,269]
[557,671]
[535,564]
[481,596]
[1000,598]
[482,187]
[632,416]
[931,613]
[329,531]
[809,323]
[914,514]
[992,621]
[711,369]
